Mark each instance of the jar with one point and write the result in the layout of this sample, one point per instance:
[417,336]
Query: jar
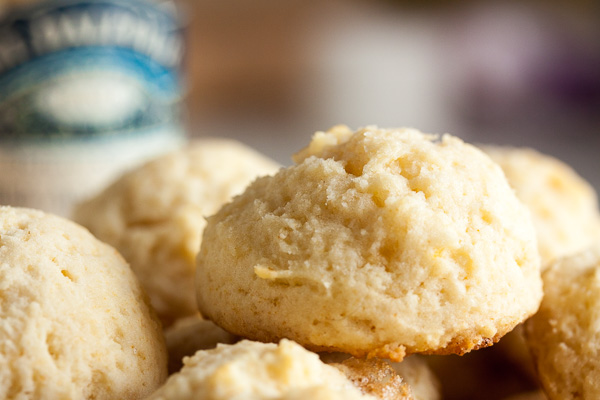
[88,89]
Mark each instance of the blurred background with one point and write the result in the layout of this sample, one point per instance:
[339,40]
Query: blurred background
[90,88]
[270,73]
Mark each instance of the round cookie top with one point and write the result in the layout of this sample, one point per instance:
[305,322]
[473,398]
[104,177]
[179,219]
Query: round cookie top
[379,243]
[564,336]
[564,207]
[154,215]
[74,321]
[255,371]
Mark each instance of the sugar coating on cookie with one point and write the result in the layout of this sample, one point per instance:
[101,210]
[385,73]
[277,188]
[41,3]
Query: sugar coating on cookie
[377,243]
[154,215]
[564,336]
[74,321]
[563,205]
[253,371]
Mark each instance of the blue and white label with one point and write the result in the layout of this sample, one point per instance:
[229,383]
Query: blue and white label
[85,70]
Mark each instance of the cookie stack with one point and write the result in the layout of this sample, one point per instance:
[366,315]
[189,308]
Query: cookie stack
[377,244]
[328,279]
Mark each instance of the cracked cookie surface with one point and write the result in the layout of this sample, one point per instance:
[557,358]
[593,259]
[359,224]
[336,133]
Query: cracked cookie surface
[377,243]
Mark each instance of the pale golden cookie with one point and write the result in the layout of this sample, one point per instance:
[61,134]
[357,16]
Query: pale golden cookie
[154,215]
[254,371]
[564,207]
[74,321]
[377,243]
[564,336]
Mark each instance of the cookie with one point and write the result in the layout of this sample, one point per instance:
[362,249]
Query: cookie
[564,336]
[377,243]
[74,321]
[154,215]
[252,370]
[563,205]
